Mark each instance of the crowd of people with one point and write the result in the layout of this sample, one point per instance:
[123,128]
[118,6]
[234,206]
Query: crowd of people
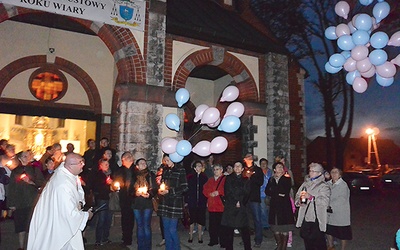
[64,190]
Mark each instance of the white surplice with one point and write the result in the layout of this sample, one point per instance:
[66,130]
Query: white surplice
[57,221]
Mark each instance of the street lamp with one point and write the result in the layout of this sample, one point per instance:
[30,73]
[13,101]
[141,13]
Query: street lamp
[371,132]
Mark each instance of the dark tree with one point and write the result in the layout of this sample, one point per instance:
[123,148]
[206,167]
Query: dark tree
[300,25]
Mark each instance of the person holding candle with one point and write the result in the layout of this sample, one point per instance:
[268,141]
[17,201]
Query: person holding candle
[144,189]
[123,176]
[197,202]
[23,190]
[101,190]
[171,201]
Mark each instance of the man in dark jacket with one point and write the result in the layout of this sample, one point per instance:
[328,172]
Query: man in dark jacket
[256,178]
[124,176]
[235,215]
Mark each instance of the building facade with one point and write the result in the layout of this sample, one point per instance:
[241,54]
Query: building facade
[123,80]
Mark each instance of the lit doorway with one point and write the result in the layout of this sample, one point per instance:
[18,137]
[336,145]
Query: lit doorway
[38,132]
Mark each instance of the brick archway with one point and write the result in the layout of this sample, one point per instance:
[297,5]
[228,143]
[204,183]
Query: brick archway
[26,63]
[120,41]
[231,64]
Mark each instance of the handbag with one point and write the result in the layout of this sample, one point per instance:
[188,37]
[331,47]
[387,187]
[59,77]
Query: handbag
[309,230]
[113,204]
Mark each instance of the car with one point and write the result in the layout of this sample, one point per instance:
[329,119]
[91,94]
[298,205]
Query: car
[391,178]
[358,181]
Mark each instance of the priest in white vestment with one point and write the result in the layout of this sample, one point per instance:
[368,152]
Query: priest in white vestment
[58,219]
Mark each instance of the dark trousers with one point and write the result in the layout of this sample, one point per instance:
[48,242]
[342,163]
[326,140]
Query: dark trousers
[215,228]
[317,244]
[127,223]
[244,232]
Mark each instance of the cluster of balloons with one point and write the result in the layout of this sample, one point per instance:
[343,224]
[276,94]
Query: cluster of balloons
[209,116]
[362,54]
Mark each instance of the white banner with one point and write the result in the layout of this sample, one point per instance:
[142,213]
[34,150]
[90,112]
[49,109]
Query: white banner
[124,13]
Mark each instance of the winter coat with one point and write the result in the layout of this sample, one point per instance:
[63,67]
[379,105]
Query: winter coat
[236,190]
[20,193]
[280,210]
[321,192]
[340,203]
[256,181]
[214,204]
[194,195]
[171,204]
[143,178]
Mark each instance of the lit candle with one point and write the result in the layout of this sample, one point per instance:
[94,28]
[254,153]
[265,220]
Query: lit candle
[142,190]
[9,163]
[23,176]
[117,185]
[162,186]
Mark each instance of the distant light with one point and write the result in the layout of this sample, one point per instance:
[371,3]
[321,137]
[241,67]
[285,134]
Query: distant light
[369,131]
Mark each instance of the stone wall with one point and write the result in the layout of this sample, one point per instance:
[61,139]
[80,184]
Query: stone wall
[277,97]
[140,130]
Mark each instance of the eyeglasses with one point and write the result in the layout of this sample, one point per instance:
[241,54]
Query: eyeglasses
[79,163]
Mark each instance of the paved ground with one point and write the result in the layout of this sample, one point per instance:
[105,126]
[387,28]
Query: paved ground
[10,239]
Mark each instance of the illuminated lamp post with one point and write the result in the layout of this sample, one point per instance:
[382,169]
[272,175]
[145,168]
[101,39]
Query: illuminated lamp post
[371,132]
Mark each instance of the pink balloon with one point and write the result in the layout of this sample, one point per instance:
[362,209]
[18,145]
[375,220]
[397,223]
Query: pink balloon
[396,60]
[229,94]
[235,108]
[370,73]
[168,145]
[351,27]
[210,115]
[218,145]
[359,52]
[202,148]
[350,64]
[342,9]
[199,112]
[342,29]
[215,124]
[360,85]
[386,70]
[364,65]
[394,39]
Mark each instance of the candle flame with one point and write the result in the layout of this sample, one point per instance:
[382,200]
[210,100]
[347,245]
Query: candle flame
[162,186]
[23,176]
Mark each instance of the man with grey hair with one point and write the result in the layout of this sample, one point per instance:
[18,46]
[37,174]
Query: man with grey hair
[316,193]
[58,219]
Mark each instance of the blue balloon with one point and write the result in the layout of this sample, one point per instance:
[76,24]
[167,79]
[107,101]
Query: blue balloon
[378,57]
[345,42]
[384,81]
[175,157]
[351,76]
[183,147]
[366,2]
[330,33]
[360,37]
[330,69]
[346,54]
[229,124]
[182,96]
[172,121]
[380,11]
[337,60]
[363,22]
[379,40]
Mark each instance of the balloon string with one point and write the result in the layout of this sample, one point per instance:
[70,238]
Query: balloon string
[197,131]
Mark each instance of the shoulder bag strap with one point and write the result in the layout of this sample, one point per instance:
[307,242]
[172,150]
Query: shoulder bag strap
[219,181]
